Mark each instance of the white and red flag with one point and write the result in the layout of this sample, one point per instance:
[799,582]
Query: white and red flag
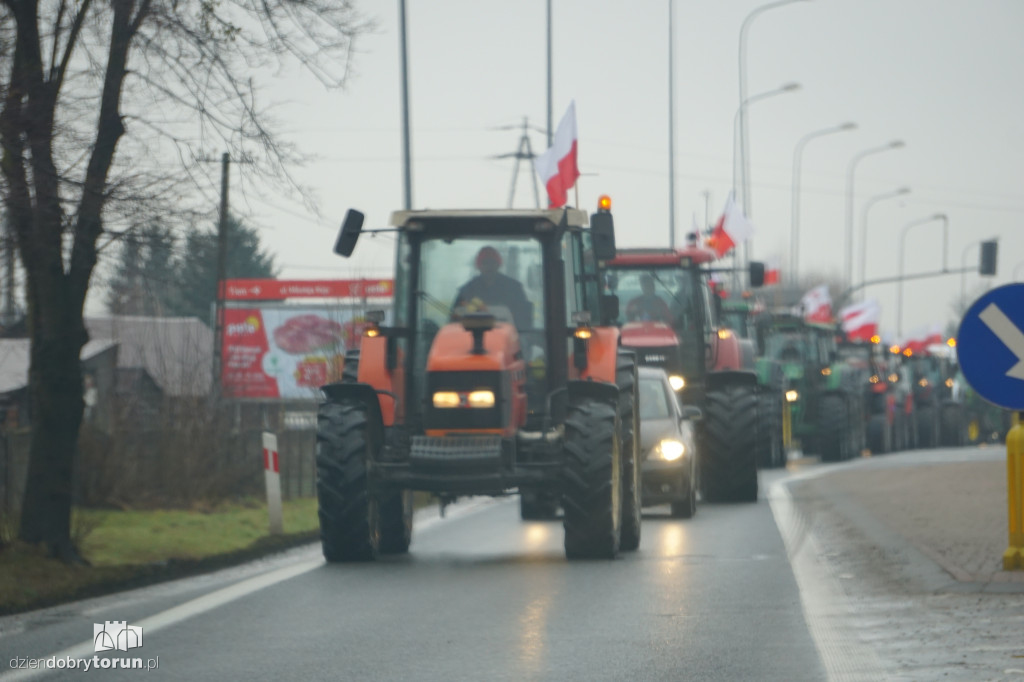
[860,320]
[557,166]
[816,305]
[922,337]
[771,272]
[732,229]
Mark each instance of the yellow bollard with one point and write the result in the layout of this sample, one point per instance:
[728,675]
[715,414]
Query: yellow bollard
[1013,557]
[787,426]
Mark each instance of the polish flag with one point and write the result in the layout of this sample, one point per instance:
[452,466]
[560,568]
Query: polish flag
[860,320]
[732,229]
[921,338]
[771,272]
[557,166]
[816,305]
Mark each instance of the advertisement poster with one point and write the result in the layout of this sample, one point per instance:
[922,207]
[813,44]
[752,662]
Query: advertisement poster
[286,351]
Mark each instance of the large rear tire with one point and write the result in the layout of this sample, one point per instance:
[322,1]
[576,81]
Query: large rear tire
[770,449]
[350,521]
[396,510]
[879,435]
[728,445]
[592,490]
[953,430]
[927,427]
[629,425]
[833,429]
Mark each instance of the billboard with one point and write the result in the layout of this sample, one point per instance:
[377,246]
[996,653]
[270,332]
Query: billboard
[285,352]
[280,289]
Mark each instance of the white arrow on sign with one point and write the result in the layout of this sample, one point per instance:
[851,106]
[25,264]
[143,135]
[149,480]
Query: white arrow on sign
[1008,333]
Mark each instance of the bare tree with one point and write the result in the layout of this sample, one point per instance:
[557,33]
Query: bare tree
[101,97]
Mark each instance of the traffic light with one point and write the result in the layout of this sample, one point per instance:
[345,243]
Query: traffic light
[989,252]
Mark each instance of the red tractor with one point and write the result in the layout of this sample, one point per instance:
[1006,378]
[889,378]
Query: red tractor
[669,316]
[497,375]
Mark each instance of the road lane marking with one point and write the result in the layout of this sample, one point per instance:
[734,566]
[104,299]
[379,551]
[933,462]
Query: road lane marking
[1007,332]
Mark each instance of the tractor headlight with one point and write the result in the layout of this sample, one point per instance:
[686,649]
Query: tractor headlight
[669,450]
[792,396]
[676,382]
[480,399]
[446,399]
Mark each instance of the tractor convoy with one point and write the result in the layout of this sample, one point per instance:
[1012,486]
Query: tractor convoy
[508,364]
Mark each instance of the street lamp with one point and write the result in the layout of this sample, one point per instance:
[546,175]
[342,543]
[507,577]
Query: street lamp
[671,138]
[738,116]
[895,144]
[794,232]
[864,225]
[744,160]
[899,282]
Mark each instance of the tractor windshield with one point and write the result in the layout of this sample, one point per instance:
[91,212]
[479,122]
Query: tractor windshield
[788,347]
[653,295]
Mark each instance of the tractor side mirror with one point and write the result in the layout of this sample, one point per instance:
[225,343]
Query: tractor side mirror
[609,308]
[756,274]
[349,235]
[602,232]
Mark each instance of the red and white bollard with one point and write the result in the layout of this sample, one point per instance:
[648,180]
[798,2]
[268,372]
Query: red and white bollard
[272,476]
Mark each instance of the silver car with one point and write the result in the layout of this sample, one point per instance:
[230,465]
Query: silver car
[668,445]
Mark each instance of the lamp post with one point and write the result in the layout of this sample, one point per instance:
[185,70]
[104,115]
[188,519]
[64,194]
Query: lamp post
[864,225]
[794,231]
[671,140]
[899,283]
[895,144]
[738,133]
[744,29]
[406,153]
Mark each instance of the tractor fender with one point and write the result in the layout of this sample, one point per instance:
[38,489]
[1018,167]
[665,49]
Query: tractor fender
[748,354]
[593,390]
[373,371]
[726,351]
[718,379]
[602,356]
[364,394]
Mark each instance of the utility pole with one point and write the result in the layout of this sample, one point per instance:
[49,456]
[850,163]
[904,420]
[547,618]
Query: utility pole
[222,259]
[523,151]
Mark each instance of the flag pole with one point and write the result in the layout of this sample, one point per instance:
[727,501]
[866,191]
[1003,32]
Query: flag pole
[576,192]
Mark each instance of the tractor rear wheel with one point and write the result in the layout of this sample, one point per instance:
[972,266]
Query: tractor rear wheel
[728,442]
[629,449]
[592,490]
[833,429]
[350,523]
[396,522]
[770,449]
[879,435]
[927,427]
[952,428]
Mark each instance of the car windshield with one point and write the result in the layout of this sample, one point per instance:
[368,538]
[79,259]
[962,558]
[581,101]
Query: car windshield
[653,398]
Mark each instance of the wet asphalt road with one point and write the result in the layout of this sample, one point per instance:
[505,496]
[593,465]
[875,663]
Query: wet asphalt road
[481,596]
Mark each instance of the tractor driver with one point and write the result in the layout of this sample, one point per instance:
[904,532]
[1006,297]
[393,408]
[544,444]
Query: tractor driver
[491,287]
[648,306]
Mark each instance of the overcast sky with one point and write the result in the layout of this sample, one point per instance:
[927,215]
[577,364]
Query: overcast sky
[944,76]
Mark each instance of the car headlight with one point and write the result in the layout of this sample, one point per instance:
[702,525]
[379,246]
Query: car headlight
[792,396]
[676,382]
[481,399]
[446,399]
[669,450]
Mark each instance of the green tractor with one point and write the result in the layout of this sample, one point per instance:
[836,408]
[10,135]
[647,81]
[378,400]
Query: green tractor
[824,393]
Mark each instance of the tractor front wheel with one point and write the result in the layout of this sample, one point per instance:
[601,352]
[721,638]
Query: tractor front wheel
[629,423]
[592,490]
[728,444]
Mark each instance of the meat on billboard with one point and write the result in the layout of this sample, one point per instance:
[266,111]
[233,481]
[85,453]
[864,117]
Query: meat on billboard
[285,352]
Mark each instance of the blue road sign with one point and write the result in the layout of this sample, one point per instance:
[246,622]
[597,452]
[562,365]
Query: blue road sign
[990,346]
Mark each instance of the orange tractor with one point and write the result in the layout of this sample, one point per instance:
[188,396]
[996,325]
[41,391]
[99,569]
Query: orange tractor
[507,380]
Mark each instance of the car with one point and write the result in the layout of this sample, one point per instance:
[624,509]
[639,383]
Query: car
[669,454]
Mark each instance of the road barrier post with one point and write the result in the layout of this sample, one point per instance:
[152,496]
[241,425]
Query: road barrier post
[787,427]
[272,476]
[1013,557]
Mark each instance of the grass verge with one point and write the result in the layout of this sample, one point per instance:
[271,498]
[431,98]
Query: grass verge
[134,548]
